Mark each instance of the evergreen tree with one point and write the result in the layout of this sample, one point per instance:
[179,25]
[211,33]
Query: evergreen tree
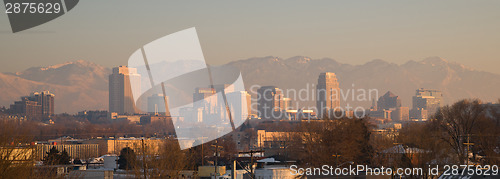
[52,157]
[127,159]
[64,158]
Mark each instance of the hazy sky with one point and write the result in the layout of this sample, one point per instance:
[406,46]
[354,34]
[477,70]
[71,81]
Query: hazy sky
[108,32]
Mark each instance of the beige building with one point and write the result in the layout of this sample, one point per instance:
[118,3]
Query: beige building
[275,143]
[81,151]
[114,146]
[16,154]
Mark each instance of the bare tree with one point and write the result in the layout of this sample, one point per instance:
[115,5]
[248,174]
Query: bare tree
[458,122]
[333,142]
[16,158]
[169,162]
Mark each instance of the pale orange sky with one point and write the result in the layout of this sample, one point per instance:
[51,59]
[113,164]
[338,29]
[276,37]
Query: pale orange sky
[107,32]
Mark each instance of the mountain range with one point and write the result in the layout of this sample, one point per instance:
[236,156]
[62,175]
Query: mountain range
[456,81]
[82,85]
[78,85]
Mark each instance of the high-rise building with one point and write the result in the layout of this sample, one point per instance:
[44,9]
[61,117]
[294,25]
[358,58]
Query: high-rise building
[37,106]
[426,99]
[46,100]
[156,104]
[221,103]
[239,103]
[206,99]
[121,97]
[327,93]
[388,101]
[209,105]
[30,109]
[270,102]
[287,104]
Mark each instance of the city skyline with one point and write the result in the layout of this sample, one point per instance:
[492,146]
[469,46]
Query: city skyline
[249,89]
[92,79]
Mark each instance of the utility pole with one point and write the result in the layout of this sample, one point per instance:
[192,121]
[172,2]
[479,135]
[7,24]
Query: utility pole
[251,152]
[233,171]
[202,155]
[216,156]
[468,145]
[202,151]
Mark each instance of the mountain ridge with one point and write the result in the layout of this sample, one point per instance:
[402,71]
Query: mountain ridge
[82,85]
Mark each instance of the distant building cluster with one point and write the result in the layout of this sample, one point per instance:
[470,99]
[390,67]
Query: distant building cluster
[272,103]
[36,106]
[211,108]
[426,102]
[209,105]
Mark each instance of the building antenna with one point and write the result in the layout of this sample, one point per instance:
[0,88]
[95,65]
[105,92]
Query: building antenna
[167,112]
[223,96]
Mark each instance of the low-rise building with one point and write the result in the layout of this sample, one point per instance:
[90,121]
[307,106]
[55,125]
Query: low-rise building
[81,151]
[113,146]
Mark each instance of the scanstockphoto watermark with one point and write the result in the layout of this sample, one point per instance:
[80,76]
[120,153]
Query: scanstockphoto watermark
[270,101]
[355,170]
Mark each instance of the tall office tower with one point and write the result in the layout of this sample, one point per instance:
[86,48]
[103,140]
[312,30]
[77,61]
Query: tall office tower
[121,97]
[327,93]
[221,104]
[206,99]
[46,100]
[270,102]
[388,101]
[239,103]
[156,104]
[426,99]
